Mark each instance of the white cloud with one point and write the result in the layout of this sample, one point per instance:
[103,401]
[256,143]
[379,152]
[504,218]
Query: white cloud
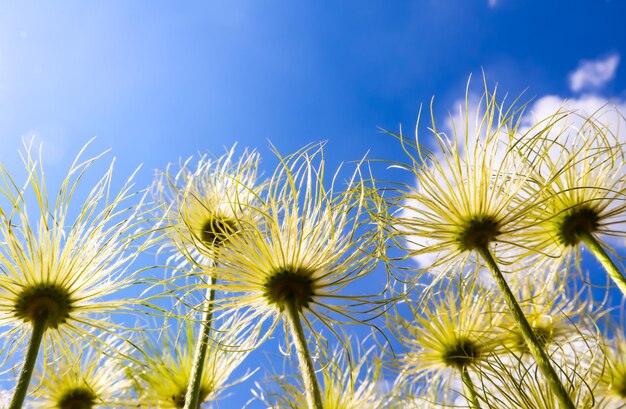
[493,3]
[593,74]
[601,108]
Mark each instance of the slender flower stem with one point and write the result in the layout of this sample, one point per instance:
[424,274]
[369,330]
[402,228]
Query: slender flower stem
[543,362]
[192,397]
[39,328]
[472,397]
[605,260]
[311,384]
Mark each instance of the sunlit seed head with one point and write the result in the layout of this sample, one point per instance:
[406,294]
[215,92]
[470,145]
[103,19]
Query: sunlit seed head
[165,365]
[311,243]
[215,231]
[578,221]
[49,300]
[462,353]
[290,285]
[556,312]
[64,253]
[579,181]
[478,232]
[468,187]
[79,398]
[205,203]
[85,376]
[457,328]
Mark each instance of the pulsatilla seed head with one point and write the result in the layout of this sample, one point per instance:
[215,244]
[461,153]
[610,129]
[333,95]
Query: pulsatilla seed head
[290,284]
[216,231]
[576,222]
[80,398]
[462,353]
[50,300]
[478,232]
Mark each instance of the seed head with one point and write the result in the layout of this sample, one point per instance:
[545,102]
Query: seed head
[205,205]
[61,262]
[310,245]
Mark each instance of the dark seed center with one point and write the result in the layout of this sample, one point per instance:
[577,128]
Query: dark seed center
[79,398]
[290,284]
[462,353]
[576,222]
[216,232]
[50,299]
[478,233]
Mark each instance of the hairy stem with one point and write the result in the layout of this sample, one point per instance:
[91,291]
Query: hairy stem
[604,259]
[311,384]
[543,362]
[192,397]
[470,390]
[39,328]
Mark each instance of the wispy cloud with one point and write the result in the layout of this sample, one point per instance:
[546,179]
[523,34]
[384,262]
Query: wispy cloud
[593,74]
[492,3]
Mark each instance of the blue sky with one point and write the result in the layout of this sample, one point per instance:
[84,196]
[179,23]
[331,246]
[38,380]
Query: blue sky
[156,81]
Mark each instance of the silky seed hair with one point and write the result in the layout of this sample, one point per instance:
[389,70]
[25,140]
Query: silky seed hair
[613,374]
[579,184]
[351,379]
[66,256]
[452,326]
[205,202]
[513,381]
[164,362]
[84,377]
[313,243]
[557,312]
[466,190]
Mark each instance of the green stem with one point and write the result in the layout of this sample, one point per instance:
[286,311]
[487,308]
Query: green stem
[311,385]
[39,329]
[192,397]
[543,362]
[472,397]
[605,260]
